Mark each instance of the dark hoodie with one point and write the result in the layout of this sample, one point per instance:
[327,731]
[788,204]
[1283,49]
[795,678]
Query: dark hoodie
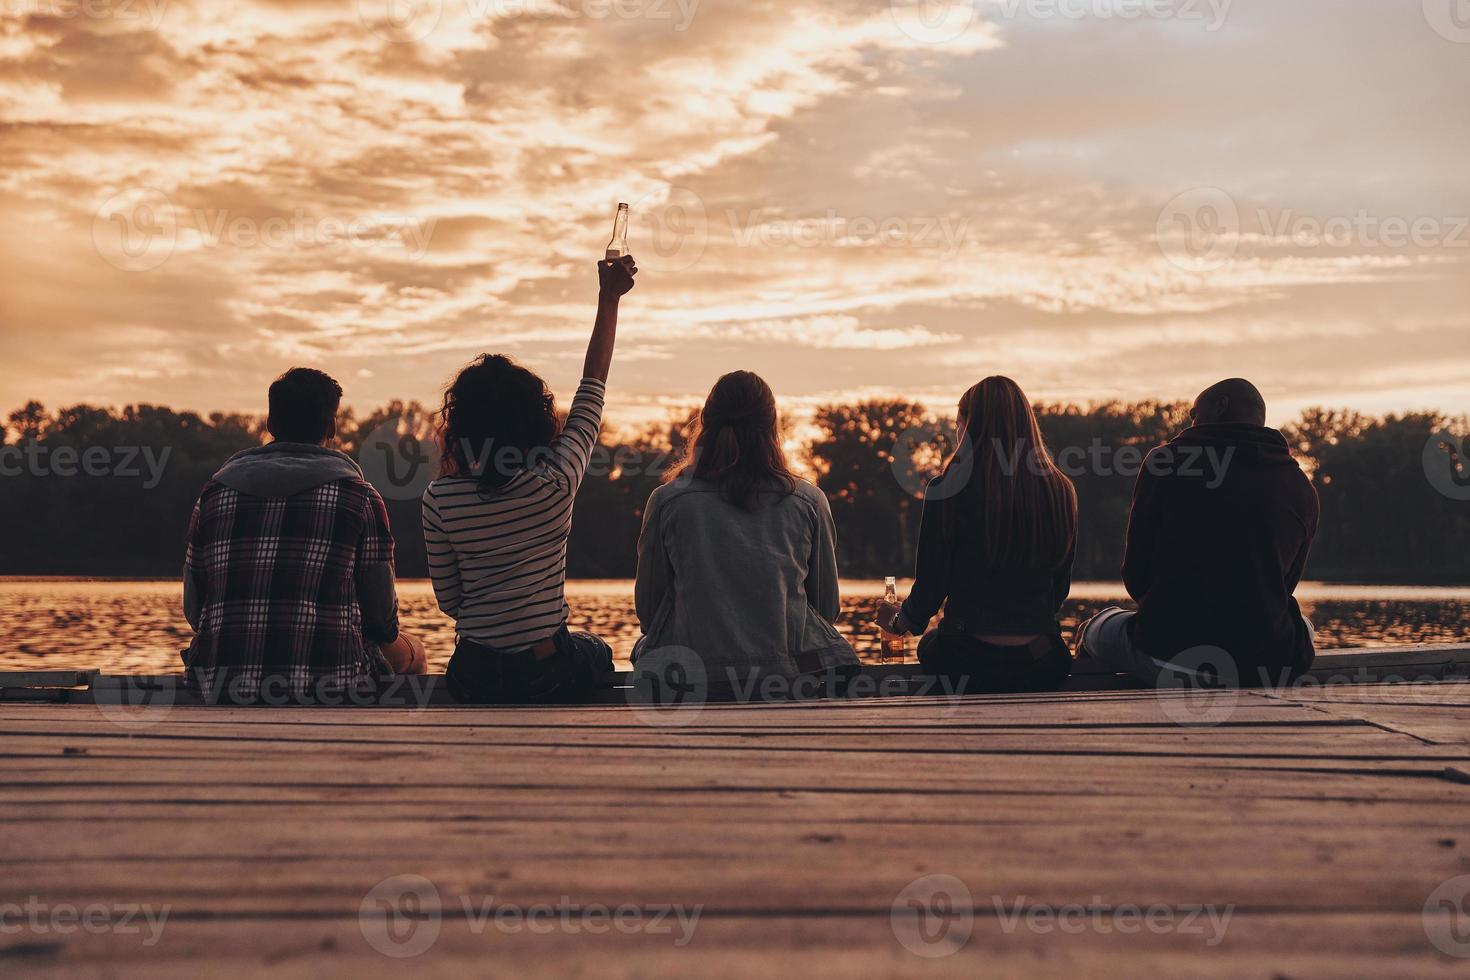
[1223,519]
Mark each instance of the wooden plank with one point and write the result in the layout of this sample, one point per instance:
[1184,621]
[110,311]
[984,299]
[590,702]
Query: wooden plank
[966,781]
[1256,943]
[795,827]
[1349,741]
[1165,709]
[47,678]
[1397,664]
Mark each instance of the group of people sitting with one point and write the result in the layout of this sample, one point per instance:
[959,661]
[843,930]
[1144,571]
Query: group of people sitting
[289,568]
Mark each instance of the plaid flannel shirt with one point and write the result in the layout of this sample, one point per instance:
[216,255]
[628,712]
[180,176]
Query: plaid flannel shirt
[280,582]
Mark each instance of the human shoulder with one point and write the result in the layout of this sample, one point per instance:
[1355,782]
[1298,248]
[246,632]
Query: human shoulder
[809,492]
[448,486]
[676,489]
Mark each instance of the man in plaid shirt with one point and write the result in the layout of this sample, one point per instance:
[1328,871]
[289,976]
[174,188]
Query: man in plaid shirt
[288,573]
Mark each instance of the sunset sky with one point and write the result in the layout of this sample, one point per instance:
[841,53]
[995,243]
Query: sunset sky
[851,197]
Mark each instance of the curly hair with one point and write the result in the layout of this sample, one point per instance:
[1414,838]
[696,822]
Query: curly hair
[496,416]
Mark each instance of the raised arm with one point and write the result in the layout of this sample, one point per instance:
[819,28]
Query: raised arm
[616,277]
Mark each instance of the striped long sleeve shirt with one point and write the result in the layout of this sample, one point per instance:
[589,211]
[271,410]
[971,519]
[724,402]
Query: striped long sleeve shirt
[499,559]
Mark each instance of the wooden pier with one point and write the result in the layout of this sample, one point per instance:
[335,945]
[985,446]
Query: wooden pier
[1320,831]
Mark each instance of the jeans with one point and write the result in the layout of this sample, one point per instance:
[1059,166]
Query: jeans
[480,674]
[987,668]
[1108,637]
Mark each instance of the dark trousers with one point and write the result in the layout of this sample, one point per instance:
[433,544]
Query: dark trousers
[985,668]
[480,674]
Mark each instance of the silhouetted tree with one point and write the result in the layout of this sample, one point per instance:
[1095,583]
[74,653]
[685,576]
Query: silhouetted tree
[1392,497]
[875,505]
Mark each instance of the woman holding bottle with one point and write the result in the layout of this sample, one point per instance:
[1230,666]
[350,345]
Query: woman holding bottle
[996,545]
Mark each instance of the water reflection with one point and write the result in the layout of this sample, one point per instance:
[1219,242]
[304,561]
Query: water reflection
[136,627]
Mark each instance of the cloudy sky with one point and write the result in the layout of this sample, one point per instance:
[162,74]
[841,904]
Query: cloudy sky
[1102,198]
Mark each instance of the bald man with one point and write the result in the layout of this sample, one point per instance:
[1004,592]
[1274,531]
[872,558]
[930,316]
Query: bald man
[1223,519]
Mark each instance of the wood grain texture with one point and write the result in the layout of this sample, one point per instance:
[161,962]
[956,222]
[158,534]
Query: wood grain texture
[1321,820]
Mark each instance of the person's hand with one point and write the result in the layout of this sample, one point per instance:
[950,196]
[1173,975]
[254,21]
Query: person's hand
[617,275]
[890,620]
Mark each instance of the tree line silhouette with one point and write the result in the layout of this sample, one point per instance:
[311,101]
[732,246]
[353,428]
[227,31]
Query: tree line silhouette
[1384,518]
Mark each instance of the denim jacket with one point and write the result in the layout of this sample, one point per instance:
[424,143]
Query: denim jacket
[741,588]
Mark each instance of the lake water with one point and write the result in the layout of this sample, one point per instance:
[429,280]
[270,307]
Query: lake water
[138,627]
